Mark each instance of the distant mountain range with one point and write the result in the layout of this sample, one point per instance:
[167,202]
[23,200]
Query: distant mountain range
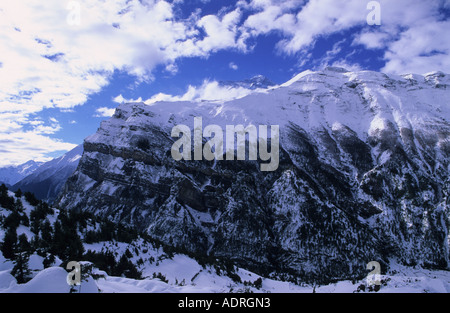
[45,180]
[13,174]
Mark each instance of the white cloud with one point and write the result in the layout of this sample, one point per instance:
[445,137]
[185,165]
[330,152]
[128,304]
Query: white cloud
[233,66]
[74,61]
[331,54]
[104,112]
[23,139]
[221,33]
[172,68]
[208,91]
[373,40]
[48,63]
[20,147]
[430,53]
[42,129]
[121,99]
[353,67]
[411,33]
[411,30]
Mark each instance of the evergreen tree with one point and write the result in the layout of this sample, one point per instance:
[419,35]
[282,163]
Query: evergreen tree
[126,268]
[35,225]
[122,266]
[75,248]
[9,244]
[12,221]
[49,260]
[31,198]
[107,231]
[23,244]
[66,243]
[3,191]
[18,193]
[258,283]
[21,270]
[18,205]
[22,255]
[46,234]
[64,219]
[38,215]
[128,254]
[6,201]
[35,243]
[103,259]
[24,220]
[58,243]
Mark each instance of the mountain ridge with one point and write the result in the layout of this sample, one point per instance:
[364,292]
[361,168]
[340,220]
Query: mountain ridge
[363,176]
[12,174]
[47,181]
[256,82]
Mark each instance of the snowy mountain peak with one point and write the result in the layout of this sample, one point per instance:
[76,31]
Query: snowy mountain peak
[254,83]
[296,78]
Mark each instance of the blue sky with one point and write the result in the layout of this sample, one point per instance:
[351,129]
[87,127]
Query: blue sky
[65,65]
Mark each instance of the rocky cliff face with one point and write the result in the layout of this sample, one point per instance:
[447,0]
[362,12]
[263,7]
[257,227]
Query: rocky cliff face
[363,176]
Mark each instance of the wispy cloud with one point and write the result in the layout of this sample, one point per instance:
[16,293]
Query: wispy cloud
[233,66]
[20,147]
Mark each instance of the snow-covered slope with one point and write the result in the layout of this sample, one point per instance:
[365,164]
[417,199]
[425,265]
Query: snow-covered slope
[53,280]
[12,174]
[363,176]
[46,181]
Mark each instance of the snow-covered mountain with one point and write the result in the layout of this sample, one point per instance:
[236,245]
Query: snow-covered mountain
[363,176]
[256,82]
[46,181]
[13,174]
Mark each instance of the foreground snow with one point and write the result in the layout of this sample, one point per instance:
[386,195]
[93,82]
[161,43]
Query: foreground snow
[181,276]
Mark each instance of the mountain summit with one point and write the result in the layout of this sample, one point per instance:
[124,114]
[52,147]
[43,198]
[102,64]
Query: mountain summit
[363,176]
[256,82]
